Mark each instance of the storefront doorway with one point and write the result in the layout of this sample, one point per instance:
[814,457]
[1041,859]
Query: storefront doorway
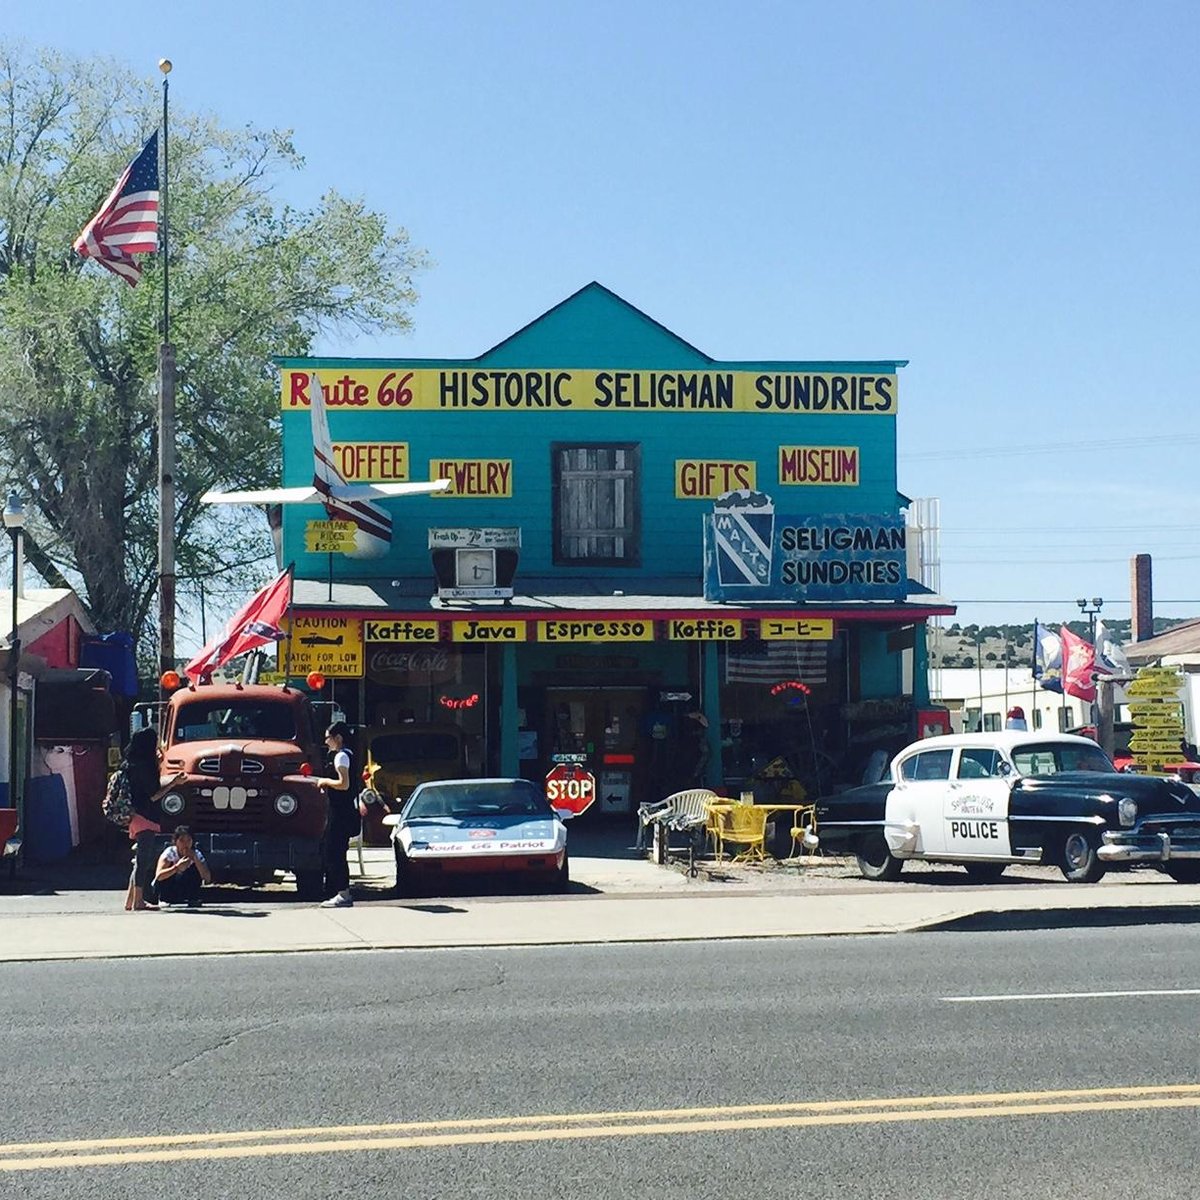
[604,724]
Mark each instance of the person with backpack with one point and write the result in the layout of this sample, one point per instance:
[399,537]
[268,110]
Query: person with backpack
[142,779]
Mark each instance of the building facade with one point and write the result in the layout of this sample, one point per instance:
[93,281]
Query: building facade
[672,569]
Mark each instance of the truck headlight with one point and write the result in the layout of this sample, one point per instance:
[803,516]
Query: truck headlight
[285,805]
[172,804]
[1127,810]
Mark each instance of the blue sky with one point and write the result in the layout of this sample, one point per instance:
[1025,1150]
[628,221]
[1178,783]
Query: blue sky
[1005,194]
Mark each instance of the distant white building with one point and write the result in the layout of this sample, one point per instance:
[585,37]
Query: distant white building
[980,698]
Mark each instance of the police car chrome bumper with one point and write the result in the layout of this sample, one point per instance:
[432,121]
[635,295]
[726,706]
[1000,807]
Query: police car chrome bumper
[1125,847]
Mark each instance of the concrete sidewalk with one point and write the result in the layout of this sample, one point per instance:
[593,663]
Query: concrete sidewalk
[616,901]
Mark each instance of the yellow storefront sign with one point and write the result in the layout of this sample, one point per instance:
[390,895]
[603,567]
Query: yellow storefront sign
[595,631]
[799,630]
[331,645]
[372,462]
[488,631]
[490,477]
[708,478]
[406,630]
[401,388]
[705,629]
[818,466]
[329,537]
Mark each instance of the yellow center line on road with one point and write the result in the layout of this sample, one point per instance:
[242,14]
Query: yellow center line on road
[43,1156]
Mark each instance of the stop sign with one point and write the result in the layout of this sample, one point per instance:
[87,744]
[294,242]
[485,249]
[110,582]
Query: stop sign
[570,787]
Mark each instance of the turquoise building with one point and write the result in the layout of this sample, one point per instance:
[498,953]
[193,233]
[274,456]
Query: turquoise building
[667,568]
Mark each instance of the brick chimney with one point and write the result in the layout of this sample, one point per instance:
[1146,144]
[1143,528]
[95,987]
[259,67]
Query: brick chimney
[1141,596]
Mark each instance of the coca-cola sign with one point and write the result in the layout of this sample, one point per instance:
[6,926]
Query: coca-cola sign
[394,665]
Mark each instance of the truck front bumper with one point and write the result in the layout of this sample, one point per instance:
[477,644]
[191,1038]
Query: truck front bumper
[243,854]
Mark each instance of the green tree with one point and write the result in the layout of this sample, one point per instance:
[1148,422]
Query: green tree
[250,277]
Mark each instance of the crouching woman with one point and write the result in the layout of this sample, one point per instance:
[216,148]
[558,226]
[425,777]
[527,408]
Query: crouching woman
[181,871]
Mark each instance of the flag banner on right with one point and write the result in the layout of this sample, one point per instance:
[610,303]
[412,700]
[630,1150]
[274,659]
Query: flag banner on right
[1110,657]
[1078,665]
[773,662]
[127,222]
[1047,657]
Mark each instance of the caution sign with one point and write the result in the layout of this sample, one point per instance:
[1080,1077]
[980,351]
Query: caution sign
[331,645]
[329,537]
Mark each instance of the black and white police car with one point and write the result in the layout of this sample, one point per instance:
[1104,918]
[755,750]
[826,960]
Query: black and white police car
[986,800]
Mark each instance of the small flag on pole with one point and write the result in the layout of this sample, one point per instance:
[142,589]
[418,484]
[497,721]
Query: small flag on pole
[127,223]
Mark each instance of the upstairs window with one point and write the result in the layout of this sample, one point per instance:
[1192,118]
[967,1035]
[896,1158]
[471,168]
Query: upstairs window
[597,503]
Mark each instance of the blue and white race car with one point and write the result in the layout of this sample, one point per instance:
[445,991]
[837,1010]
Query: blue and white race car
[479,826]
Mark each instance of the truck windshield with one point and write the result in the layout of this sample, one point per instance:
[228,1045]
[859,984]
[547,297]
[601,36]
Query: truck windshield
[206,720]
[1049,758]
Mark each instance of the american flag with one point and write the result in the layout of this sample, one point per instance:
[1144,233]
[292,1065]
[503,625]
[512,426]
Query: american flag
[773,662]
[127,223]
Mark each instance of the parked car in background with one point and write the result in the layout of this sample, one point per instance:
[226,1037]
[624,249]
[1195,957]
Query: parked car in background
[396,759]
[986,800]
[456,827]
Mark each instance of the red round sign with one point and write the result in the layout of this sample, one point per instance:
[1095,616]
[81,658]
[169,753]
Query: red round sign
[570,787]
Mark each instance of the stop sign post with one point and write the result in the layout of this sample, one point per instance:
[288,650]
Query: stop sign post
[571,787]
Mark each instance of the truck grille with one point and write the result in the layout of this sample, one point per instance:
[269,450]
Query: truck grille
[252,818]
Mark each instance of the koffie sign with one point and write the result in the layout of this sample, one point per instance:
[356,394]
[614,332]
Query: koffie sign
[513,390]
[753,553]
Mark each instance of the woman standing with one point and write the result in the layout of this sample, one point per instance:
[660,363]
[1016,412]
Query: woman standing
[142,757]
[342,822]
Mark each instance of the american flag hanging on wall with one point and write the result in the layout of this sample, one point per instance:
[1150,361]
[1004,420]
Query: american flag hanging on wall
[773,662]
[127,222]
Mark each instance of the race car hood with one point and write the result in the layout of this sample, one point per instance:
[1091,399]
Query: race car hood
[441,836]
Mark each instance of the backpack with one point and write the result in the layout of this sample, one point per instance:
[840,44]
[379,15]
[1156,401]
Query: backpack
[117,805]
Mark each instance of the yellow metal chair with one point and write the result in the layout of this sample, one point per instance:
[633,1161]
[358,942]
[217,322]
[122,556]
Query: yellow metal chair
[804,832]
[743,825]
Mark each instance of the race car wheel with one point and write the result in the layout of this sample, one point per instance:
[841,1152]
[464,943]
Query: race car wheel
[404,879]
[1079,861]
[985,872]
[562,878]
[1183,872]
[875,860]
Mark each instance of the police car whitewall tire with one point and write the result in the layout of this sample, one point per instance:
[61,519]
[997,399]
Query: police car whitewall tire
[1079,861]
[875,860]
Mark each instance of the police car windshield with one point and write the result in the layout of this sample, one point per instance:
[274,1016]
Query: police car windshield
[1048,758]
[518,798]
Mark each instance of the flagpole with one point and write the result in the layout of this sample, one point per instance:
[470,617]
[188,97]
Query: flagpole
[166,422]
[287,669]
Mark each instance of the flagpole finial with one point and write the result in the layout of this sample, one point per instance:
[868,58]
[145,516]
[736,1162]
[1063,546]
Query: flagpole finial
[164,65]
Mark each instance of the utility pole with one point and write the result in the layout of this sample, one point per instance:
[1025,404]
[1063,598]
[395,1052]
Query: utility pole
[166,430]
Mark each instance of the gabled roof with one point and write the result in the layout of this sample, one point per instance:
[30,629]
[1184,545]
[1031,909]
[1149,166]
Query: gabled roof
[1182,639]
[594,326]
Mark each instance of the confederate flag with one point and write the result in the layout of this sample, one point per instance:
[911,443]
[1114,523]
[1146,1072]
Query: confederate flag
[255,624]
[1079,663]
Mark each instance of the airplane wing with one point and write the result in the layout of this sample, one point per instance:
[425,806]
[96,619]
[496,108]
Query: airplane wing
[289,495]
[381,491]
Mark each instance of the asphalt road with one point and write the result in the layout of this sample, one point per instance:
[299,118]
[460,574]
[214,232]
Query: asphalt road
[613,1050]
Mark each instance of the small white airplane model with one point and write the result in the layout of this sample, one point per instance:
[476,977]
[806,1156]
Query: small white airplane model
[343,501]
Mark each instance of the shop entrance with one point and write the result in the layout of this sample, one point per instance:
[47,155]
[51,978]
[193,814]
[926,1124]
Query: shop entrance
[603,724]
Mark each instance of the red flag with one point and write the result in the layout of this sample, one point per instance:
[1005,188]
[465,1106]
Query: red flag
[1079,663]
[127,222]
[255,624]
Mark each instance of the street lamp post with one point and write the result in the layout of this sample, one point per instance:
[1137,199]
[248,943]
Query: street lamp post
[14,523]
[1091,610]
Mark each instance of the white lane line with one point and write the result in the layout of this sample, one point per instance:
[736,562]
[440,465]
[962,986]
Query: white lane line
[1069,996]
